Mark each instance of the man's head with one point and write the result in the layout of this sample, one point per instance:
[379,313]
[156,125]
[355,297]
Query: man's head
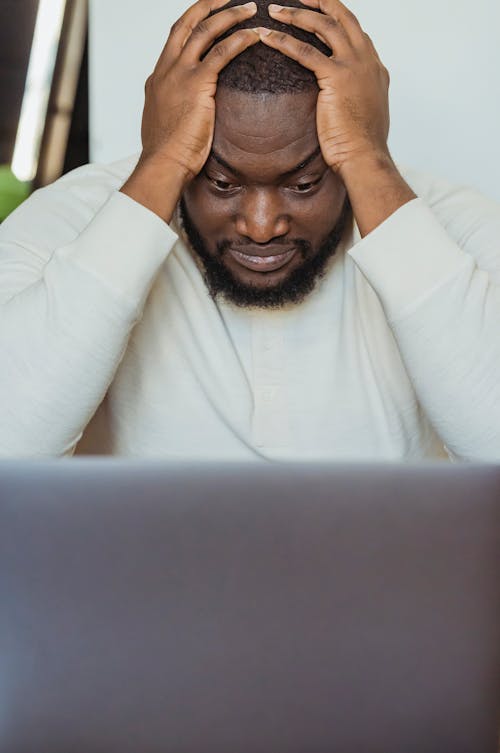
[265,190]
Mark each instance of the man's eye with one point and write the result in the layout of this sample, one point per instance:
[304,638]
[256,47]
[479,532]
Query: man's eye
[222,185]
[304,187]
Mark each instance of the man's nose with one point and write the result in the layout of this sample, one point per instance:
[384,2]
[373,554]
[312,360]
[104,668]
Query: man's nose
[261,217]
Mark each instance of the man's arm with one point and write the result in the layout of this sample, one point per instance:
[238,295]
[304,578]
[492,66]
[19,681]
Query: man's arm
[73,282]
[437,280]
[435,266]
[76,269]
[353,106]
[376,190]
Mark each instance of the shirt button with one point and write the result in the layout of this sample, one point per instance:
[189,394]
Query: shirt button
[268,394]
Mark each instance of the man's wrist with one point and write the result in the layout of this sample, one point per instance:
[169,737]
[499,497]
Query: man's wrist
[376,189]
[157,185]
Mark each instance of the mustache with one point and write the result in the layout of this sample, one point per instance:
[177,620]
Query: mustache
[304,247]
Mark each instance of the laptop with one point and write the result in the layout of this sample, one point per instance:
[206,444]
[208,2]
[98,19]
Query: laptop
[151,607]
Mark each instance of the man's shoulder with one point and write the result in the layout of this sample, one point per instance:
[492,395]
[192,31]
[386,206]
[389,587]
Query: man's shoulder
[96,178]
[428,186]
[84,190]
[54,215]
[470,218]
[440,192]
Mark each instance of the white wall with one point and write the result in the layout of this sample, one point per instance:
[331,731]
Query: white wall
[443,55]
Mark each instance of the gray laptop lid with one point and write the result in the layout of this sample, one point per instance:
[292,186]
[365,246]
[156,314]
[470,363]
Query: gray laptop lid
[147,608]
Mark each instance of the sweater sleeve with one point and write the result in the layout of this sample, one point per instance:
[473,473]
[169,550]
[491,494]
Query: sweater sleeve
[74,279]
[435,266]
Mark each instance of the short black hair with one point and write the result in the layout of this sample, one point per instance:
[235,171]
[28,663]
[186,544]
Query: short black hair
[260,69]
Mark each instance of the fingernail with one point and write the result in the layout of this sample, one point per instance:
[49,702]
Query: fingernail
[275,8]
[265,32]
[250,6]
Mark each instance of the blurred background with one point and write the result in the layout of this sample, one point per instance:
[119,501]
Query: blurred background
[72,76]
[44,94]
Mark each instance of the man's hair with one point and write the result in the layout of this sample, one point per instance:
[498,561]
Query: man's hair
[260,69]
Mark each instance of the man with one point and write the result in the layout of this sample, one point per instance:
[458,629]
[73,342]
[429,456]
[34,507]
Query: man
[263,281]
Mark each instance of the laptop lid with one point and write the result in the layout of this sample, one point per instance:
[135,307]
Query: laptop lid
[249,608]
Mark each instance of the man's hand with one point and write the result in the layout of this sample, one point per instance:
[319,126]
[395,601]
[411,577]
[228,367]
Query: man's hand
[179,112]
[353,105]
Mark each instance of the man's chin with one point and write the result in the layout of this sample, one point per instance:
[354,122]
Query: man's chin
[271,290]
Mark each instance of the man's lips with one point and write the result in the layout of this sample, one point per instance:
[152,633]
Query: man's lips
[263,262]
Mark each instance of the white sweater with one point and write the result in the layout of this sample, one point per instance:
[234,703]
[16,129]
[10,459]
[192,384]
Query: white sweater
[103,310]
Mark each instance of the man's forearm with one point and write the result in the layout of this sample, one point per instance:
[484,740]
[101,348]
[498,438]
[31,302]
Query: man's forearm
[157,187]
[376,190]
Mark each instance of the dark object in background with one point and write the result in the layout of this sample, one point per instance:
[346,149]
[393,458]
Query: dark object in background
[77,152]
[16,35]
[65,142]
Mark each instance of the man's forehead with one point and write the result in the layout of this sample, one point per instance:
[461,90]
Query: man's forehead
[277,127]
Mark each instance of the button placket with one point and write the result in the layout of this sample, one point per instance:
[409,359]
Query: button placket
[270,420]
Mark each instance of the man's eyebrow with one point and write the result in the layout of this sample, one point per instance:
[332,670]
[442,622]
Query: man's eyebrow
[305,162]
[213,155]
[217,158]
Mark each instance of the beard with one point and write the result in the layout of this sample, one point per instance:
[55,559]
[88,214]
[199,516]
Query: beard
[221,282]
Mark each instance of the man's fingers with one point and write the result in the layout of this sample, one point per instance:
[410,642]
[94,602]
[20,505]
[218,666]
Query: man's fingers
[182,29]
[207,31]
[326,28]
[303,53]
[372,47]
[337,9]
[223,52]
